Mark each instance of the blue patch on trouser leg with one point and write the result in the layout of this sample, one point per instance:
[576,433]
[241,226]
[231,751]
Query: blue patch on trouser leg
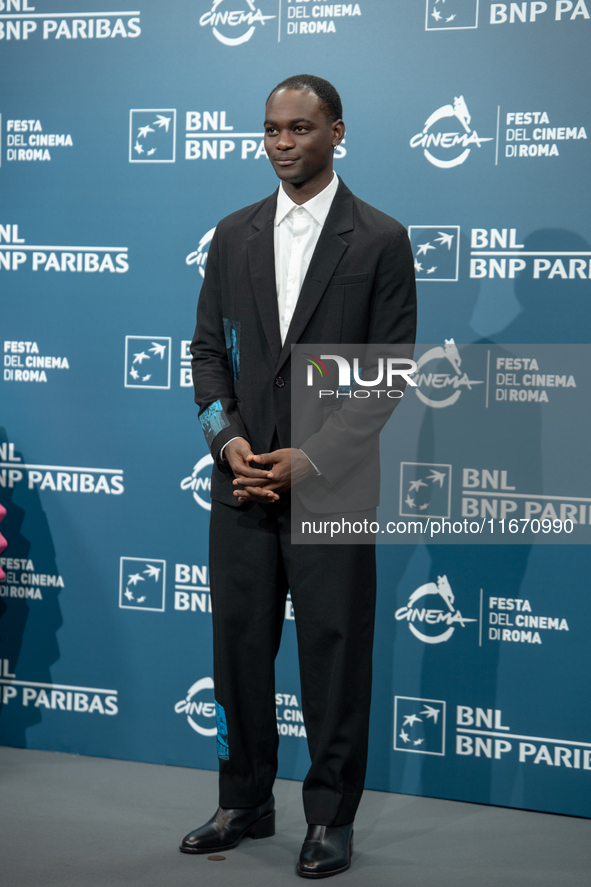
[223,750]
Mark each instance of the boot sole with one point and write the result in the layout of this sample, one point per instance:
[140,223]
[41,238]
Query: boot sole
[323,874]
[261,828]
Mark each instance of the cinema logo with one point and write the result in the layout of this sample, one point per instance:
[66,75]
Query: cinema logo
[199,707]
[435,624]
[15,254]
[25,140]
[23,363]
[459,144]
[200,482]
[58,697]
[458,380]
[512,619]
[320,18]
[386,371]
[234,26]
[199,256]
[22,581]
[57,478]
[540,139]
[290,718]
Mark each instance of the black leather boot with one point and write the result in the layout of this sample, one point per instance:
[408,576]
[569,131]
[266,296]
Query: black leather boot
[327,851]
[228,826]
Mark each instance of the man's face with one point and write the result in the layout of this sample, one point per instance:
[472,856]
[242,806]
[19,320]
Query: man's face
[299,138]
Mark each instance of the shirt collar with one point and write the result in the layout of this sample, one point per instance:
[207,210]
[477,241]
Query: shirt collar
[318,206]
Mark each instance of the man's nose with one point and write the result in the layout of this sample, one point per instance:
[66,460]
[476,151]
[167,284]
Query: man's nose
[285,141]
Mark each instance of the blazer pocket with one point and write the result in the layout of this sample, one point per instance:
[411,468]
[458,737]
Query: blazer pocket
[344,279]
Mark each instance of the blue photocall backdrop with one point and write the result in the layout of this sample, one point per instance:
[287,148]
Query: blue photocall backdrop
[124,138]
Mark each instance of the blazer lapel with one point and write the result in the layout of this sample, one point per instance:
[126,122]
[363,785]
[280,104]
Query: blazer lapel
[328,253]
[261,263]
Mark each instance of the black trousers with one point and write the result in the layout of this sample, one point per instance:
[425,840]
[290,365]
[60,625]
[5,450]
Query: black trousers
[252,566]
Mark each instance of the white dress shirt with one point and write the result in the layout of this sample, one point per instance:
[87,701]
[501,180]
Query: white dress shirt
[296,233]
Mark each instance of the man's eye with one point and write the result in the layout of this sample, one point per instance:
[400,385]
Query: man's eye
[270,130]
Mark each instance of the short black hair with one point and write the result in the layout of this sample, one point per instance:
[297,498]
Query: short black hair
[322,89]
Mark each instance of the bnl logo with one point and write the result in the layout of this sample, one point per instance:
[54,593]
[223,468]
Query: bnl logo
[425,489]
[454,15]
[142,584]
[152,135]
[436,251]
[147,361]
[419,725]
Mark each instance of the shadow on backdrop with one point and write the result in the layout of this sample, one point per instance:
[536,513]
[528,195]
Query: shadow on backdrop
[28,625]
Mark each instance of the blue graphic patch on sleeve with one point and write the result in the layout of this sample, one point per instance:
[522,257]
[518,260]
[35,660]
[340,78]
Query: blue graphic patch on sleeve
[232,336]
[213,420]
[223,750]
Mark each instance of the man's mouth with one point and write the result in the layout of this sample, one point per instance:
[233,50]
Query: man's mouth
[286,161]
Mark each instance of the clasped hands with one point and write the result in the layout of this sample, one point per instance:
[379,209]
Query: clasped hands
[288,467]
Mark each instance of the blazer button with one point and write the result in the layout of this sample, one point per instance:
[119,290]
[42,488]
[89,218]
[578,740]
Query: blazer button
[279,382]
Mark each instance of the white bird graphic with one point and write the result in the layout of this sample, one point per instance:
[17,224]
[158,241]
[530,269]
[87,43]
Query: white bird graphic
[144,130]
[437,477]
[128,594]
[159,350]
[137,147]
[451,18]
[410,502]
[436,15]
[410,719]
[153,571]
[423,247]
[431,712]
[432,269]
[140,357]
[404,736]
[444,239]
[151,151]
[418,741]
[134,373]
[135,578]
[145,378]
[140,600]
[418,266]
[416,484]
[422,507]
[162,121]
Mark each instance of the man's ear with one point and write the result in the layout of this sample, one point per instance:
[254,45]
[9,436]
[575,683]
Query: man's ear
[338,132]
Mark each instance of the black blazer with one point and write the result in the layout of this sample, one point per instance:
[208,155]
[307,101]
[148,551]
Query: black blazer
[359,288]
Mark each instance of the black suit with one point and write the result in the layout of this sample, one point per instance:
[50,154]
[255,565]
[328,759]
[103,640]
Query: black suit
[359,288]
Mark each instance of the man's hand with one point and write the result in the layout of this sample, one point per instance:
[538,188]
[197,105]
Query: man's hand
[289,467]
[239,455]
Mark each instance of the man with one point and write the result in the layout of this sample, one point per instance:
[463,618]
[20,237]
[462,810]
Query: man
[311,263]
